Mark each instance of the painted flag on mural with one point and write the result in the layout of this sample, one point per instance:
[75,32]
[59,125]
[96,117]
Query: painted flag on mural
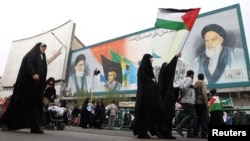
[102,78]
[132,73]
[129,71]
[176,19]
[111,65]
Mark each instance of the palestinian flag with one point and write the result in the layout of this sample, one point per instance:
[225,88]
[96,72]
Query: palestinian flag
[227,102]
[215,104]
[176,19]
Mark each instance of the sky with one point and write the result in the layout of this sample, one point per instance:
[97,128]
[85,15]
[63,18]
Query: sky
[96,20]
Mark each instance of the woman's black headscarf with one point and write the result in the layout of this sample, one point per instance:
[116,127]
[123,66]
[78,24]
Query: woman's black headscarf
[146,65]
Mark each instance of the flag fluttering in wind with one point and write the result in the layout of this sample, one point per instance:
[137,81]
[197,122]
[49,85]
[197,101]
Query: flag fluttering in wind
[176,19]
[227,102]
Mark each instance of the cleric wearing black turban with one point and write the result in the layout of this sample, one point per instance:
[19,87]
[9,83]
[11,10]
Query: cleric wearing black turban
[219,63]
[79,58]
[79,80]
[216,28]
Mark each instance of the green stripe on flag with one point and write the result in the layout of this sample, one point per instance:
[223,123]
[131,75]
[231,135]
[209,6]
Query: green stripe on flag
[173,25]
[215,107]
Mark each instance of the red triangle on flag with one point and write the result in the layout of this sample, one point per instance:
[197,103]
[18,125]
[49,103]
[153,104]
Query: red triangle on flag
[190,17]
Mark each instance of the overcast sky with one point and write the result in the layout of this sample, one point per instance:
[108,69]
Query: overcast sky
[96,20]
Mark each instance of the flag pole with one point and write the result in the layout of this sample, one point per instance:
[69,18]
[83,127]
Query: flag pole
[184,41]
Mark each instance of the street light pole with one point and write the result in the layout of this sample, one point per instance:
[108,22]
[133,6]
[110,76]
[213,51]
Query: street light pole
[96,72]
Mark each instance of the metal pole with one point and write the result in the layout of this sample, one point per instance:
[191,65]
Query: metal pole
[92,88]
[58,40]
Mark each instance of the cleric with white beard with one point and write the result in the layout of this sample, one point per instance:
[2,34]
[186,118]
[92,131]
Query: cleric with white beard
[79,81]
[219,63]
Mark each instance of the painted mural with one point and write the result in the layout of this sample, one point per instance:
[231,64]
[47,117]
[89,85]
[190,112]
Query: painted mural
[111,66]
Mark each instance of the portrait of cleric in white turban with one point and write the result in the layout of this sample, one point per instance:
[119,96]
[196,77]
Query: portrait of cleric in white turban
[220,63]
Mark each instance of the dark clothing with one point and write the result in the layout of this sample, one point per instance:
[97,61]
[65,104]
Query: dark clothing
[50,93]
[85,114]
[201,109]
[168,94]
[76,111]
[202,114]
[216,112]
[99,116]
[239,118]
[26,106]
[216,118]
[188,120]
[147,108]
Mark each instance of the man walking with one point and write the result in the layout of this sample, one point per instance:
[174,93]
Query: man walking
[187,102]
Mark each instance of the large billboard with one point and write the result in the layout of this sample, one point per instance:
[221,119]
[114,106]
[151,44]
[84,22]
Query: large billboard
[223,59]
[117,60]
[56,53]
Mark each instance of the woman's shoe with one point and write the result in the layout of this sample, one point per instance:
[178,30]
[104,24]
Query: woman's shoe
[153,132]
[5,127]
[36,131]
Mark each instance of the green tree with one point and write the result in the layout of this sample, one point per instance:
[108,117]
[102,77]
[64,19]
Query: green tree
[81,96]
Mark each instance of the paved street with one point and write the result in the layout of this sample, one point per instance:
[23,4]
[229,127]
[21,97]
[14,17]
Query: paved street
[79,134]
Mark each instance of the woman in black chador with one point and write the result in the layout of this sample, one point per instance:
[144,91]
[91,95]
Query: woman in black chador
[26,106]
[148,106]
[85,120]
[99,115]
[169,96]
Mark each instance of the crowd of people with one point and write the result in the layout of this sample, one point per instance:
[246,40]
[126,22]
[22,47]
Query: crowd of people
[92,114]
[201,107]
[33,95]
[155,103]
